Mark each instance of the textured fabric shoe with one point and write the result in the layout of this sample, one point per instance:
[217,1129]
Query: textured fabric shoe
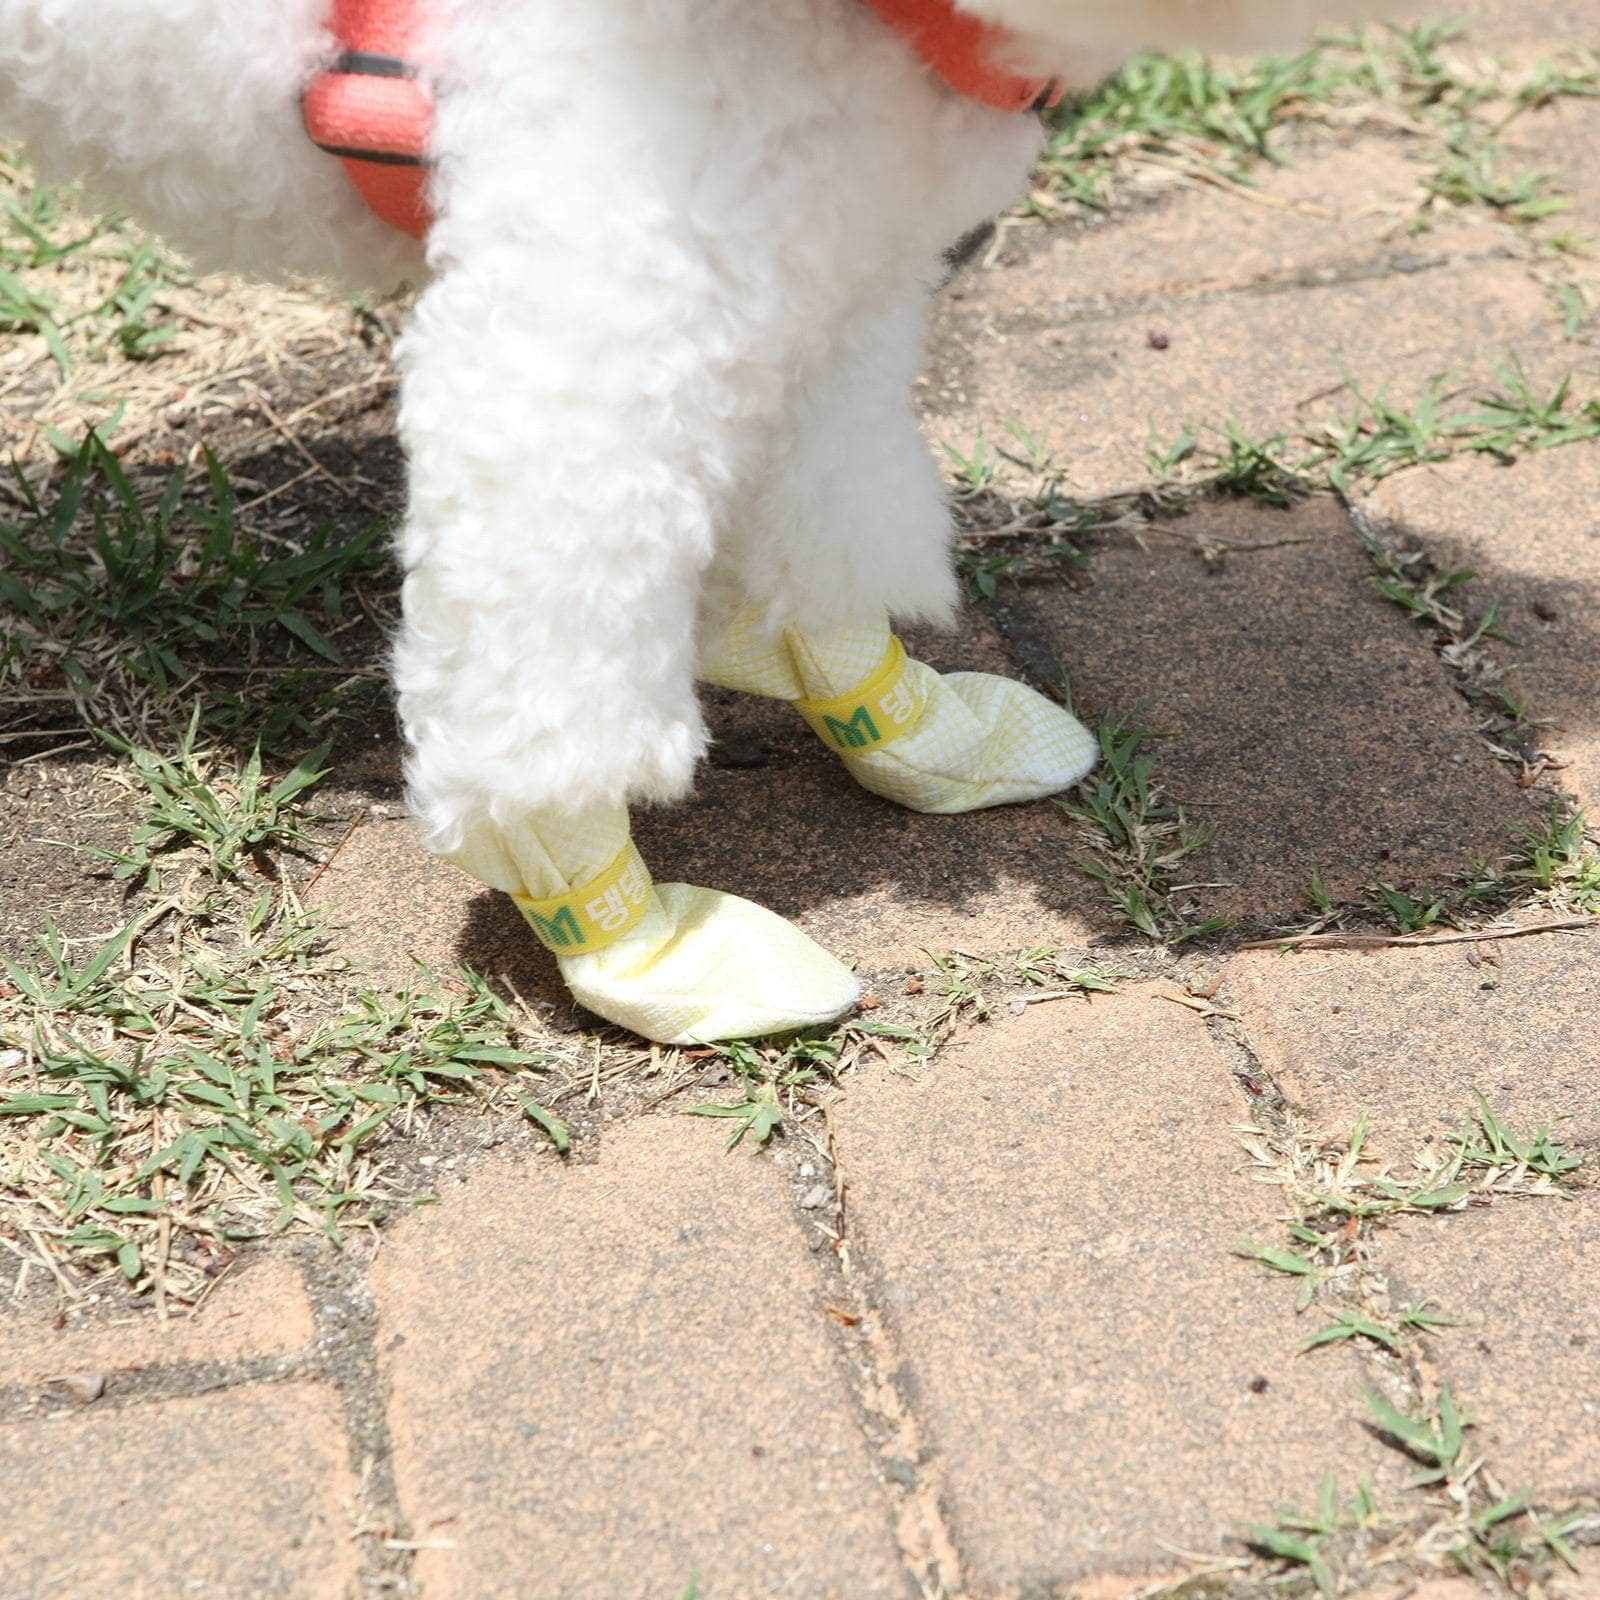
[931,742]
[670,962]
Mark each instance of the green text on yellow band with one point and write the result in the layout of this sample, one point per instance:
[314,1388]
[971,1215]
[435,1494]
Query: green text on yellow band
[884,708]
[594,914]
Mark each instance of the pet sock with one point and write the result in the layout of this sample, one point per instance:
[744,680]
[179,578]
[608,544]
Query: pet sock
[669,961]
[933,742]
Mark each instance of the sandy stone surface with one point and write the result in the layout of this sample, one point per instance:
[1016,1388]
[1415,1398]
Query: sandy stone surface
[1049,1213]
[1311,725]
[1096,393]
[608,1378]
[261,1309]
[1524,1277]
[1406,1035]
[1532,533]
[242,1493]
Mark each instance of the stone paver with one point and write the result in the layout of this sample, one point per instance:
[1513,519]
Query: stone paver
[259,1310]
[1524,1277]
[231,1495]
[1314,726]
[607,1378]
[1342,209]
[1532,532]
[1048,1212]
[1095,393]
[1549,24]
[1406,1035]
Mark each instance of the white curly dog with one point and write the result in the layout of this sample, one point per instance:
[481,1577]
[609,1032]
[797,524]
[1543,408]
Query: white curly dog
[655,393]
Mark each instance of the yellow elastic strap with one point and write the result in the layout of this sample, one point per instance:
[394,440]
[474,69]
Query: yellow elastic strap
[594,914]
[886,707]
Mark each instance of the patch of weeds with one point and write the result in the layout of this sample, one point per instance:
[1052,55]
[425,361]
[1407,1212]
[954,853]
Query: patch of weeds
[1338,1194]
[974,472]
[1181,109]
[1136,838]
[1216,121]
[1405,913]
[1560,861]
[116,608]
[983,569]
[205,1095]
[190,804]
[1438,1440]
[1472,175]
[1380,437]
[1303,1539]
[760,1116]
[1044,968]
[83,285]
[1255,470]
[1490,1144]
[1555,864]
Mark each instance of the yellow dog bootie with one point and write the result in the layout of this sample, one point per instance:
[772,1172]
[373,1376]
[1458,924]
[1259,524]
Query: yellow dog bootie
[670,962]
[939,743]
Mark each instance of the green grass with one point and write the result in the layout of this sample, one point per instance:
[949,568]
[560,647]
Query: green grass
[1473,174]
[1136,839]
[120,606]
[203,1088]
[1303,1540]
[84,285]
[242,818]
[1220,120]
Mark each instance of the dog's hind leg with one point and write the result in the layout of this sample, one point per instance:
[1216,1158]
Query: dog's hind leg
[851,527]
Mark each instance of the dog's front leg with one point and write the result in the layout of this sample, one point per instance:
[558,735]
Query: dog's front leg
[587,381]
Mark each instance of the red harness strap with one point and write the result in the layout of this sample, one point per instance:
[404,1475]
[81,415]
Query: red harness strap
[960,49]
[373,110]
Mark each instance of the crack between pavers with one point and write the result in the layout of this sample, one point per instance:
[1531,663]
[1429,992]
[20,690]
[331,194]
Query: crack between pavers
[907,1464]
[1337,274]
[79,1392]
[1418,1538]
[347,1360]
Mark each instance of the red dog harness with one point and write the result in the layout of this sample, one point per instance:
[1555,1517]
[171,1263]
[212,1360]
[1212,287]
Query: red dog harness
[373,109]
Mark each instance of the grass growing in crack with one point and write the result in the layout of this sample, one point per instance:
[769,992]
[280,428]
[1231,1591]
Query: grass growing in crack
[1337,1198]
[1438,1441]
[1136,838]
[1404,912]
[1302,1539]
[1472,174]
[1490,1144]
[1216,121]
[1559,862]
[118,607]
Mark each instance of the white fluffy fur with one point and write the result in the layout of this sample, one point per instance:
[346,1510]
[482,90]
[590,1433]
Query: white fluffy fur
[1080,41]
[663,364]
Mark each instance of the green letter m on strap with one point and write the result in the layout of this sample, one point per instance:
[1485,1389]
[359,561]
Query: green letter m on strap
[856,734]
[560,932]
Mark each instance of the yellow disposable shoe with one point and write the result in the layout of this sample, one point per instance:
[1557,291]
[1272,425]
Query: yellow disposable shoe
[670,962]
[935,743]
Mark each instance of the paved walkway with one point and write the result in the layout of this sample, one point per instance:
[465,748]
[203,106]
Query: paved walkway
[985,1328]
